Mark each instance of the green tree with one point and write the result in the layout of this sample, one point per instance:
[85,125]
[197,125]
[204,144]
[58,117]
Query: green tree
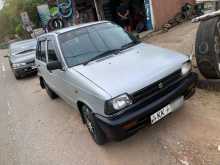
[10,20]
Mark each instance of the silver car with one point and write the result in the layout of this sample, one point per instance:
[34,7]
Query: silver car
[22,56]
[118,84]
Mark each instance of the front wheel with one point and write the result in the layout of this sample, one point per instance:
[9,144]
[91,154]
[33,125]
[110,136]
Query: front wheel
[17,76]
[94,129]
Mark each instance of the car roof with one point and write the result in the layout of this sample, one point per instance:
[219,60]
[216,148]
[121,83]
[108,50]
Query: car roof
[60,31]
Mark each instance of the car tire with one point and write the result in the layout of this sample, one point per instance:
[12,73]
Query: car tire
[17,76]
[207,48]
[94,129]
[209,84]
[50,92]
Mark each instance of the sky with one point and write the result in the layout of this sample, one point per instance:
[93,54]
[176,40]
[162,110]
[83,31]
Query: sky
[1,4]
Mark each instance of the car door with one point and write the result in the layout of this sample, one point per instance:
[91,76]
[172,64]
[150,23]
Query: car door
[51,56]
[41,58]
[60,78]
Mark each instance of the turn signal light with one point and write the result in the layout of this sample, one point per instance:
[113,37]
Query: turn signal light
[129,125]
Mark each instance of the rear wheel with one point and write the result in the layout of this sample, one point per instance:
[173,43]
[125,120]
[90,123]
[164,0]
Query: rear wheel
[50,92]
[94,129]
[17,76]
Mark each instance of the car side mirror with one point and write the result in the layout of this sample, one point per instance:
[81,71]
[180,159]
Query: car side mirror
[54,65]
[6,56]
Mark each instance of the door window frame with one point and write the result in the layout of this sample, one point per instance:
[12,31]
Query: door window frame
[39,51]
[54,47]
[59,58]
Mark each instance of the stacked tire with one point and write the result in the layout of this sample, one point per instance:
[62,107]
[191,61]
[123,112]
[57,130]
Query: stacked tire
[56,23]
[207,48]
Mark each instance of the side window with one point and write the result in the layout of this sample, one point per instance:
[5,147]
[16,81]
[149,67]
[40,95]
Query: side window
[43,51]
[38,55]
[41,54]
[51,53]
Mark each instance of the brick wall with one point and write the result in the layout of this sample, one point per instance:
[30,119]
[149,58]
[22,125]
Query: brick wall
[166,9]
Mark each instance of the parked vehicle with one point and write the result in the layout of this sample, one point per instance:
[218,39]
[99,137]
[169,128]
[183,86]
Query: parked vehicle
[117,83]
[22,57]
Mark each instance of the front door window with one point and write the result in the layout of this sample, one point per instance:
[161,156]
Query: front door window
[51,53]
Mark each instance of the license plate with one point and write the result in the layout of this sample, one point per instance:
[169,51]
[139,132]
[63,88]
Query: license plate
[166,110]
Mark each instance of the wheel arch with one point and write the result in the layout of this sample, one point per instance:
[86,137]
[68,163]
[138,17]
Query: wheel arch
[80,104]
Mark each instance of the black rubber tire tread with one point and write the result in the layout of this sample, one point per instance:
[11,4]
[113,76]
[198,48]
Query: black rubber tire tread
[210,85]
[99,136]
[51,23]
[207,56]
[18,77]
[50,92]
[42,84]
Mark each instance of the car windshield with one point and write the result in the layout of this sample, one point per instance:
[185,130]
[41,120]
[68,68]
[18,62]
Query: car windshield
[22,47]
[90,43]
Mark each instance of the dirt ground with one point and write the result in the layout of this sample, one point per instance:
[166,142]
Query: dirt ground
[34,130]
[206,103]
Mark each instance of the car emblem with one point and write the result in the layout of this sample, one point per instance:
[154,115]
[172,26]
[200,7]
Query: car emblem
[160,85]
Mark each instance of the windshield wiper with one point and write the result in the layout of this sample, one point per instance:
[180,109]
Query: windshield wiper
[114,51]
[130,44]
[106,53]
[25,51]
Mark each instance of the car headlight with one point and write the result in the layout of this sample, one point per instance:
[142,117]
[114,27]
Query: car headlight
[186,68]
[117,104]
[18,65]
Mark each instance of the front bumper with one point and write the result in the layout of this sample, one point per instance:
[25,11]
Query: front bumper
[135,118]
[26,70]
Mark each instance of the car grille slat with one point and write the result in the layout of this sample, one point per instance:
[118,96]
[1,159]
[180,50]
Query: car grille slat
[30,62]
[159,88]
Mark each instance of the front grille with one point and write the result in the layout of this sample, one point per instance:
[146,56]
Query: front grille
[159,88]
[30,62]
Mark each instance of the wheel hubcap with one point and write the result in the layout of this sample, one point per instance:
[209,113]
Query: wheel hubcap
[89,123]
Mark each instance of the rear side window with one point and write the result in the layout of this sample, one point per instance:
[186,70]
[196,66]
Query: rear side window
[51,52]
[41,52]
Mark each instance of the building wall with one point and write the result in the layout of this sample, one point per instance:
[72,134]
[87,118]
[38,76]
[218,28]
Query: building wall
[164,10]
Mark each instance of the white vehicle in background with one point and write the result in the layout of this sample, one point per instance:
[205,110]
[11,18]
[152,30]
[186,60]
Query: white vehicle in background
[22,57]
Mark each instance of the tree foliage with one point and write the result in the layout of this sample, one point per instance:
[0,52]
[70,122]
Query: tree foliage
[10,20]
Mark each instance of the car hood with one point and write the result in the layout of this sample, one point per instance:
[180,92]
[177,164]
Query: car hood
[23,58]
[132,69]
